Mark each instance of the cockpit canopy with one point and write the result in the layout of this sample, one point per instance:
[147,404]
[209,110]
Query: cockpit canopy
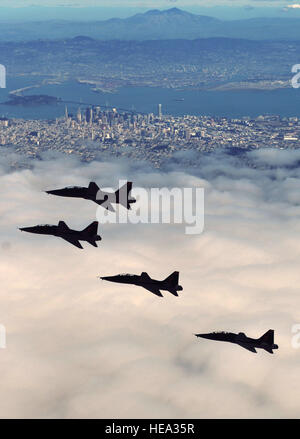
[220,332]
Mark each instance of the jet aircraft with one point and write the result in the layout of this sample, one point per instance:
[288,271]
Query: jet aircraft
[88,234]
[265,342]
[144,280]
[94,193]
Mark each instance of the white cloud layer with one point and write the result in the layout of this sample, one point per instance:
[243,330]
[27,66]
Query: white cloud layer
[293,6]
[80,347]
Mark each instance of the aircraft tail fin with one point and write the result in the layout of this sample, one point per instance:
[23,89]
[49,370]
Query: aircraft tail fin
[123,193]
[92,229]
[63,226]
[268,337]
[173,279]
[145,275]
[93,187]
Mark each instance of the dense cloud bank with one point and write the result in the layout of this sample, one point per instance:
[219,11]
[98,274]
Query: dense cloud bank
[80,347]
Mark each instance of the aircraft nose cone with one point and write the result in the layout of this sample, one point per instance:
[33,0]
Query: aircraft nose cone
[34,229]
[54,192]
[109,278]
[25,229]
[203,335]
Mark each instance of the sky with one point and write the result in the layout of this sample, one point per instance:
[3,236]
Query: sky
[79,347]
[105,9]
[144,3]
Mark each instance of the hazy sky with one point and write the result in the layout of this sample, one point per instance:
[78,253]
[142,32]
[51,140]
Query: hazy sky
[222,9]
[142,3]
[80,347]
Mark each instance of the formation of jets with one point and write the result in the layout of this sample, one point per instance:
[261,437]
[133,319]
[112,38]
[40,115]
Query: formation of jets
[93,193]
[170,283]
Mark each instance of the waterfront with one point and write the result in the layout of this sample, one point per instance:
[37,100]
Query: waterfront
[230,104]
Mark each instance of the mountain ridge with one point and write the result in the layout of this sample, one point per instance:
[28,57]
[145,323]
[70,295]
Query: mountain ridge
[156,24]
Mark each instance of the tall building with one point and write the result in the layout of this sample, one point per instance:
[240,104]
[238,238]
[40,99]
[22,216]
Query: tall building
[97,110]
[159,111]
[66,113]
[89,115]
[79,117]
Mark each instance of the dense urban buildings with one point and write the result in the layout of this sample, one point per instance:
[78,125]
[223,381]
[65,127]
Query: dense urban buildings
[91,132]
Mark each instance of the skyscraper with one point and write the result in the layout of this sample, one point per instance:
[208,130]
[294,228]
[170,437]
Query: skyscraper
[97,111]
[89,115]
[159,111]
[79,116]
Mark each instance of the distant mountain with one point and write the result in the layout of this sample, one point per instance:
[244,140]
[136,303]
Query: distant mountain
[156,25]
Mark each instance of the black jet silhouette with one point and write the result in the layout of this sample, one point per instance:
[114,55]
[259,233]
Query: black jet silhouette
[144,280]
[88,234]
[94,193]
[265,342]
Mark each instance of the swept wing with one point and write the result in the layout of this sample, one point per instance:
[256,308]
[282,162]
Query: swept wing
[154,290]
[248,347]
[73,241]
